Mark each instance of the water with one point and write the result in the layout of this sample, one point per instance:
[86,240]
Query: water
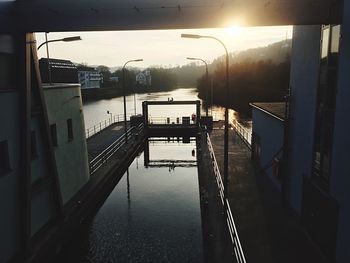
[152,215]
[96,111]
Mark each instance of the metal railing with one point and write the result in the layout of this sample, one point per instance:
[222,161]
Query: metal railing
[245,135]
[237,247]
[104,124]
[168,120]
[107,153]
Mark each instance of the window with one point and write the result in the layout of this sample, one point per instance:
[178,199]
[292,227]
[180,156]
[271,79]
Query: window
[325,110]
[53,130]
[4,158]
[70,129]
[33,146]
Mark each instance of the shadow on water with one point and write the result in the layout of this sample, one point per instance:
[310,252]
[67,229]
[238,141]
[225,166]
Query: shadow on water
[153,213]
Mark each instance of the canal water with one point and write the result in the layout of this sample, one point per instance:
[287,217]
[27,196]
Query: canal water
[153,213]
[96,111]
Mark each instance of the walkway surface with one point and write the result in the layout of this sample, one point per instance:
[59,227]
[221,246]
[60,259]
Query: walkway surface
[101,140]
[268,231]
[217,245]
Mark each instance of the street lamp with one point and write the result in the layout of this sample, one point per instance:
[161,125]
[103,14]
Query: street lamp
[207,81]
[66,39]
[125,123]
[226,108]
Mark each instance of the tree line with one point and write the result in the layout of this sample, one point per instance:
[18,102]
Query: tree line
[250,81]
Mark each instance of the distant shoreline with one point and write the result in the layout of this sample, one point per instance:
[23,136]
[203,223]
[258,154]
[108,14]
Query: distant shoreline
[109,93]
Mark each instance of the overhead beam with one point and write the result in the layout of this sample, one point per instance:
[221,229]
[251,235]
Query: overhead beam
[89,15]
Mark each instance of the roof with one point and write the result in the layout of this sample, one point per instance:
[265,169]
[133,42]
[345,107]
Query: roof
[91,15]
[275,109]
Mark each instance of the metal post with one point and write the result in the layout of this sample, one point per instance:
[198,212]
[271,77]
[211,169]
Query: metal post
[48,58]
[226,126]
[124,99]
[134,101]
[211,97]
[207,90]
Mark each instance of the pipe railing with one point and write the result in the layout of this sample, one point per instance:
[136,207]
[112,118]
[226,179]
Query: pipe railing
[168,120]
[104,124]
[245,135]
[107,153]
[237,247]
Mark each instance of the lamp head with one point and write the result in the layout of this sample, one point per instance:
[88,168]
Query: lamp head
[190,36]
[138,60]
[70,39]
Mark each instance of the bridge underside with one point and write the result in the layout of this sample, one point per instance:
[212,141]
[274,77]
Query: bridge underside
[80,15]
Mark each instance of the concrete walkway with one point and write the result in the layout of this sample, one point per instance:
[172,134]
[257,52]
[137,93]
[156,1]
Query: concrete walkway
[217,245]
[268,231]
[100,141]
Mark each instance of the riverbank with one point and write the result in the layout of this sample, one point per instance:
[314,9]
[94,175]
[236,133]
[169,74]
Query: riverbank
[113,92]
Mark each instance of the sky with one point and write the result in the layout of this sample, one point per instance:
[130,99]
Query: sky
[157,47]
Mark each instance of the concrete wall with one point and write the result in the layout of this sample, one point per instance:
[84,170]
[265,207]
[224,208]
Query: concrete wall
[340,174]
[270,131]
[64,102]
[9,182]
[43,202]
[71,155]
[304,83]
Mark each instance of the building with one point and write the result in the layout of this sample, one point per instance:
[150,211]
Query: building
[267,138]
[58,71]
[53,178]
[315,180]
[89,78]
[314,177]
[144,78]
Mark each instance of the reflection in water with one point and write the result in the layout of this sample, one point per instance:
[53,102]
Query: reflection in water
[95,111]
[152,215]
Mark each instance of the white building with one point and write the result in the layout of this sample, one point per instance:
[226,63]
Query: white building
[34,185]
[89,78]
[144,78]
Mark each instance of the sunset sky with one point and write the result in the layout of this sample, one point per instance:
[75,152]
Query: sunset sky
[157,47]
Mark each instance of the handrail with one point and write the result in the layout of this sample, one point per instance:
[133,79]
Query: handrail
[104,124]
[237,247]
[245,135]
[169,120]
[107,153]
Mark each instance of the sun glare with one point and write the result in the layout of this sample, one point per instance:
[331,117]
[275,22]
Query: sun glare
[234,30]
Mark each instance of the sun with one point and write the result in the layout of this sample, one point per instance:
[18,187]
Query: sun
[234,30]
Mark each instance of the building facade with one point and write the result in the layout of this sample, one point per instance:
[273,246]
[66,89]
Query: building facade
[316,180]
[267,138]
[89,78]
[66,126]
[144,78]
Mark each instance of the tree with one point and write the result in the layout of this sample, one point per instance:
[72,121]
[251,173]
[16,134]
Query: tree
[106,73]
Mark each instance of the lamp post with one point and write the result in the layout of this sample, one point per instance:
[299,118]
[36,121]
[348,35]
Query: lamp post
[207,82]
[124,95]
[226,107]
[66,39]
[110,113]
